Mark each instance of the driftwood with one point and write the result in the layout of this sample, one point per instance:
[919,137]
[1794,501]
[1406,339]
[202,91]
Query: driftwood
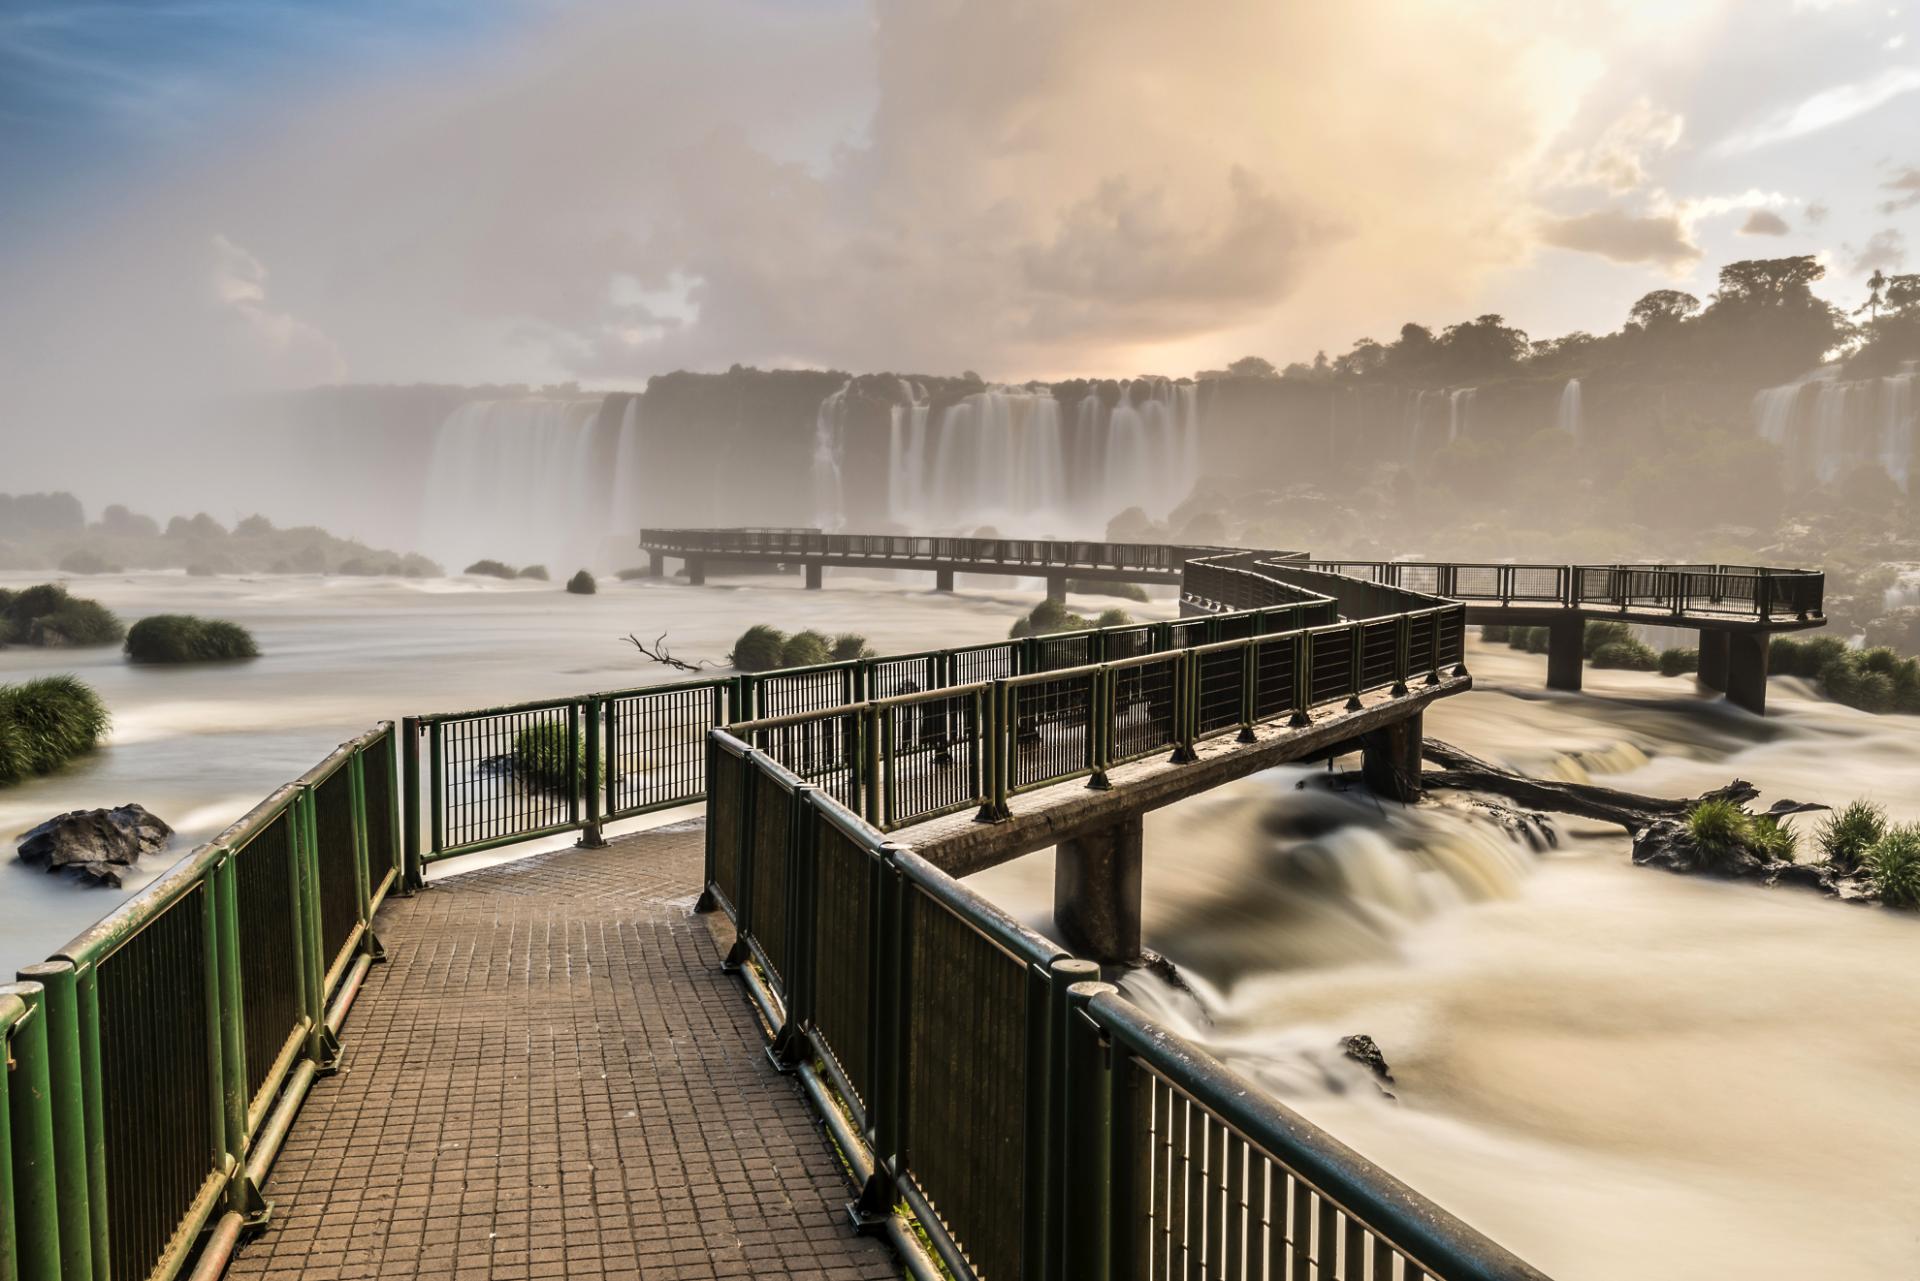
[659,653]
[1631,810]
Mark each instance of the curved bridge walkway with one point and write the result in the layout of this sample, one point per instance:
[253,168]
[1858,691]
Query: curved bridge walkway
[1735,608]
[551,1077]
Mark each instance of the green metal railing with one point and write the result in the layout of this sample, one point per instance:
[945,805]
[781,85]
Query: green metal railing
[158,1058]
[1721,591]
[1035,1123]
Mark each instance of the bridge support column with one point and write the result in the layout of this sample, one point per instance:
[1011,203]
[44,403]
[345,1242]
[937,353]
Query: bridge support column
[1714,653]
[1096,892]
[1056,587]
[1747,671]
[656,564]
[943,580]
[815,572]
[1566,643]
[696,572]
[1390,759]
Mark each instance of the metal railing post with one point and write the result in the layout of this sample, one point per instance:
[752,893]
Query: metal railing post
[585,722]
[436,787]
[29,1097]
[1357,646]
[1302,679]
[868,802]
[412,870]
[789,1044]
[1049,1043]
[362,858]
[66,1102]
[223,882]
[1087,1208]
[1402,653]
[1249,678]
[321,1047]
[1099,725]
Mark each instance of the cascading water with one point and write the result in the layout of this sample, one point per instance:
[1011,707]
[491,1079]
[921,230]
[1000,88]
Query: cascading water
[1459,412]
[1826,425]
[829,448]
[1005,457]
[528,480]
[1568,419]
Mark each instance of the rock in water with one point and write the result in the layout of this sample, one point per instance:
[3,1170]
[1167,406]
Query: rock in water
[1362,1050]
[95,843]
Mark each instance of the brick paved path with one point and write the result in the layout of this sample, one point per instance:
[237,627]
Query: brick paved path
[551,1078]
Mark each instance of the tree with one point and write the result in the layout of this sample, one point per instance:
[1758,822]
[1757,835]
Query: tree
[1875,284]
[1253,367]
[1772,282]
[1663,307]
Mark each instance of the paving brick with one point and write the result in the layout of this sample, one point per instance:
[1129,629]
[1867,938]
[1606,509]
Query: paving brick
[551,1078]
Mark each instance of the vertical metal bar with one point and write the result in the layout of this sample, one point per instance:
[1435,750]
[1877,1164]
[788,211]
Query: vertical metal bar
[9,1233]
[60,1012]
[220,1143]
[412,869]
[301,826]
[92,1085]
[1356,661]
[36,1198]
[1302,678]
[362,873]
[223,880]
[1086,1158]
[436,781]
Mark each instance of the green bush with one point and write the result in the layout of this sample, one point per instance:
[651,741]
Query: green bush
[805,649]
[1847,835]
[1495,633]
[639,571]
[850,645]
[1893,866]
[1873,680]
[1629,655]
[1679,662]
[582,584]
[46,615]
[1095,587]
[1787,657]
[490,569]
[540,756]
[1598,636]
[1046,618]
[1719,828]
[758,649]
[85,560]
[536,572]
[183,638]
[48,722]
[1113,618]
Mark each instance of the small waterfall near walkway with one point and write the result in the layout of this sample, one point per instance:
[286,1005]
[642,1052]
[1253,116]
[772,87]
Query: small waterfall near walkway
[535,480]
[829,451]
[1826,425]
[1459,412]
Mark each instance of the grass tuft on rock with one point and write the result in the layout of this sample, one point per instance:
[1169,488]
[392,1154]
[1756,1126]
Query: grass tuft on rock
[1679,662]
[1846,835]
[806,649]
[1626,655]
[540,757]
[1893,866]
[1719,828]
[489,569]
[582,584]
[848,646]
[185,638]
[47,616]
[537,573]
[45,723]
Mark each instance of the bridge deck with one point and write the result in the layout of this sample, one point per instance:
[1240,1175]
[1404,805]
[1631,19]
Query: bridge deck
[550,1077]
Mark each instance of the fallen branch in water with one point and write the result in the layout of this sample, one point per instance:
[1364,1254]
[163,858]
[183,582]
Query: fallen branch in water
[659,653]
[1463,771]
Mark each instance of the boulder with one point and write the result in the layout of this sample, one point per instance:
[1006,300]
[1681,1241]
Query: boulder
[1362,1049]
[96,844]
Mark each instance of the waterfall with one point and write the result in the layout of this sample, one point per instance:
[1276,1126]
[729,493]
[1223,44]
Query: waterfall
[1152,451]
[526,481]
[1459,412]
[1420,405]
[1568,420]
[907,454]
[1001,457]
[829,447]
[1825,425]
[626,515]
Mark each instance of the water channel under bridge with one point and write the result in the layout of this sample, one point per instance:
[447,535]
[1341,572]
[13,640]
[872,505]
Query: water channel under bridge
[296,1054]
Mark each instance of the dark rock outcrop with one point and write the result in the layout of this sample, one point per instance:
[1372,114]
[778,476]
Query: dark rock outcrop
[95,844]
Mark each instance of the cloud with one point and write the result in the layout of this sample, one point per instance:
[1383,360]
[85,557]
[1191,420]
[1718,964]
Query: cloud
[1823,110]
[1817,212]
[1620,236]
[1618,159]
[292,351]
[1764,222]
[1906,188]
[1885,250]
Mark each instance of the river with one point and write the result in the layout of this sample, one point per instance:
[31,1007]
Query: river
[1614,1071]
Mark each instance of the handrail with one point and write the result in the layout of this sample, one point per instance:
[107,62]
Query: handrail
[908,1004]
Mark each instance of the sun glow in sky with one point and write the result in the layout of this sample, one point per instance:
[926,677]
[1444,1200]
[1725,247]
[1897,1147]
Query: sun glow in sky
[214,196]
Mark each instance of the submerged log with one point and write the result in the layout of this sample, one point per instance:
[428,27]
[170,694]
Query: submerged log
[1635,812]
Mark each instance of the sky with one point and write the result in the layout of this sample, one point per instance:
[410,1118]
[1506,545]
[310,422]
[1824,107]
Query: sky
[210,196]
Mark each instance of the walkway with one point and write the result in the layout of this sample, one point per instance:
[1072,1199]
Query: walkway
[551,1077]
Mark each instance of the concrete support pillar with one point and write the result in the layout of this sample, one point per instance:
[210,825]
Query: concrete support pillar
[942,580]
[1566,641]
[1056,587]
[656,564]
[1096,893]
[1747,671]
[1713,658]
[1390,759]
[815,571]
[696,571]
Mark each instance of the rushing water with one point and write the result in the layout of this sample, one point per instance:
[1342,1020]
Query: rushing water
[1825,425]
[1614,1071]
